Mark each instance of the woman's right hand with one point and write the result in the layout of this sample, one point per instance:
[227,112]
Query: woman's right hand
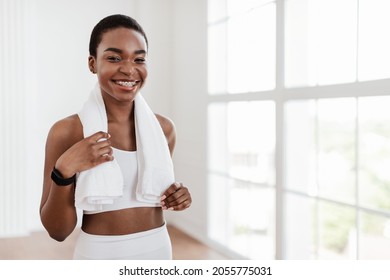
[85,154]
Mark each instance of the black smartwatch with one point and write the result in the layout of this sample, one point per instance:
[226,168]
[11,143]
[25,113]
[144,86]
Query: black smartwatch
[57,178]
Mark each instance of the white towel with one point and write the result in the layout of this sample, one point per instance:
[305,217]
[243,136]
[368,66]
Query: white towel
[103,183]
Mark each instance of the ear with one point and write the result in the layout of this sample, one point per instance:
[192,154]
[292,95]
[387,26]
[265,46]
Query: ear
[92,64]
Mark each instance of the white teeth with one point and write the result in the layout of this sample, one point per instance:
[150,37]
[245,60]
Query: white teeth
[126,84]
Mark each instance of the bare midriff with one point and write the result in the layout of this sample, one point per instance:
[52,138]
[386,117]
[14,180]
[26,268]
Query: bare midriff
[124,221]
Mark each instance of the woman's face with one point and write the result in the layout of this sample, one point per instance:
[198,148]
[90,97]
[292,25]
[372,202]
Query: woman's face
[120,63]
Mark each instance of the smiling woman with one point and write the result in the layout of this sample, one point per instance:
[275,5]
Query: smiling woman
[113,159]
[121,63]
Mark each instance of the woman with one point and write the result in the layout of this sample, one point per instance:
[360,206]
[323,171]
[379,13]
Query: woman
[127,228]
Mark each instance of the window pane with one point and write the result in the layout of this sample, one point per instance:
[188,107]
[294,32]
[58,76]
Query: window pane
[374,148]
[320,42]
[337,232]
[374,42]
[251,141]
[251,50]
[300,228]
[218,206]
[320,147]
[241,165]
[242,140]
[374,237]
[318,230]
[252,220]
[301,154]
[337,157]
[217,59]
[217,138]
[242,217]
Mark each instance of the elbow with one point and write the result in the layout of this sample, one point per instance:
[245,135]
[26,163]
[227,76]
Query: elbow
[58,236]
[59,232]
[58,227]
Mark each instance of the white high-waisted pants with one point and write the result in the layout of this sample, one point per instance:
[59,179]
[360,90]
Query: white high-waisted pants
[153,244]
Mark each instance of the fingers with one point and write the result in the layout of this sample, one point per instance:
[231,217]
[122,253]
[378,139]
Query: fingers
[100,147]
[176,197]
[86,154]
[105,155]
[103,148]
[102,144]
[99,136]
[172,189]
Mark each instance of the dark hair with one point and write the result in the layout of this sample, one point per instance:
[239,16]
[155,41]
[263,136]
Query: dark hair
[112,22]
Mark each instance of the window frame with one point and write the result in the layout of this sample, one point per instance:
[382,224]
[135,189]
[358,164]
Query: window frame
[280,96]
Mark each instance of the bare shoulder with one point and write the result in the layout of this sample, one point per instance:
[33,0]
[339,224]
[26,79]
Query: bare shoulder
[166,124]
[66,132]
[168,127]
[62,135]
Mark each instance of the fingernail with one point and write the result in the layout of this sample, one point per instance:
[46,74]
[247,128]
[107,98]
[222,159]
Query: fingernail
[163,197]
[171,208]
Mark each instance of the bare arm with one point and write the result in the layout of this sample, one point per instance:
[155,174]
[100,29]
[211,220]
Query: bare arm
[69,153]
[177,197]
[58,214]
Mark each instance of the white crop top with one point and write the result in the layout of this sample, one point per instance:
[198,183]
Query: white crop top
[127,161]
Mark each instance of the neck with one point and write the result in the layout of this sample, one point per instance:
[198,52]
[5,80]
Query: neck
[118,111]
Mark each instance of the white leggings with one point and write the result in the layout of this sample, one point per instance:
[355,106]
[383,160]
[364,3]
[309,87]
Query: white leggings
[153,244]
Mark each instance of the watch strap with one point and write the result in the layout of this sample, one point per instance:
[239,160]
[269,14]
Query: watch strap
[57,178]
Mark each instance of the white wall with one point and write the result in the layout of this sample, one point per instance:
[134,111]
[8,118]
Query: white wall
[176,87]
[189,109]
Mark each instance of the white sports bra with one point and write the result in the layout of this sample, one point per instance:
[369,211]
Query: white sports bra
[127,161]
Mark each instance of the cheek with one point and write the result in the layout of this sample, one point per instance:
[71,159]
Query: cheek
[105,70]
[143,72]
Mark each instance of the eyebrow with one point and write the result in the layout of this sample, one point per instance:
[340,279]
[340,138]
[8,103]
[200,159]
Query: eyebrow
[120,51]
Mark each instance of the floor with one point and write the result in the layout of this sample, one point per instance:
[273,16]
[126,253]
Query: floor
[39,246]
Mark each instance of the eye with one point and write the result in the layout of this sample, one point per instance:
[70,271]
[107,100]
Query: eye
[140,60]
[114,58]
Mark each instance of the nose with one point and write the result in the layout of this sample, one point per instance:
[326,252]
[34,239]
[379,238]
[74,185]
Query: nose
[127,68]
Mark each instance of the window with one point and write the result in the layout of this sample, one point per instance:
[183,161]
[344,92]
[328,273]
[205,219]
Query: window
[241,60]
[336,153]
[242,133]
[241,177]
[299,92]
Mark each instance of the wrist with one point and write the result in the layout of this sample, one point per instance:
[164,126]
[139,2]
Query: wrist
[60,179]
[64,170]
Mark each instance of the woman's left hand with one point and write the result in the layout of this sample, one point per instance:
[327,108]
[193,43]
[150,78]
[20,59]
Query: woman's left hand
[176,197]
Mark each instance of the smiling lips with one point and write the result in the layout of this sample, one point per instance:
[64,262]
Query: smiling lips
[126,83]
